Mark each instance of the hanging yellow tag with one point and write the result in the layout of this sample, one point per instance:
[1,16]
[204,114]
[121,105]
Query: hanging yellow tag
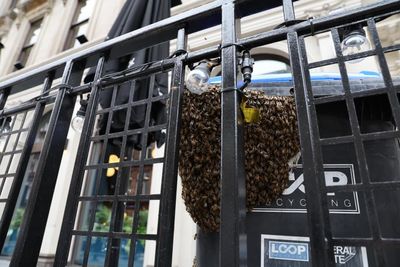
[112,159]
[251,114]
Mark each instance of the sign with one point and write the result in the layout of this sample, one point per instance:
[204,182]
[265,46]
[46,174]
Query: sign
[294,251]
[293,199]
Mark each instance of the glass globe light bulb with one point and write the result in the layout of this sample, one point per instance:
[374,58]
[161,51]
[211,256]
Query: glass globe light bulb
[355,42]
[79,119]
[77,123]
[197,80]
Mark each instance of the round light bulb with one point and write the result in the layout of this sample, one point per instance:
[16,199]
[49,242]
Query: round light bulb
[354,43]
[197,80]
[77,123]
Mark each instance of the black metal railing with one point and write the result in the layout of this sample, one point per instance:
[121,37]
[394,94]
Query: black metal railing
[233,245]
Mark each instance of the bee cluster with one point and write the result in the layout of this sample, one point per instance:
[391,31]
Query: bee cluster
[269,145]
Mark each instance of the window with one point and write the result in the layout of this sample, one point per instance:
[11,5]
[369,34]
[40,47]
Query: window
[270,64]
[13,4]
[30,42]
[77,32]
[96,215]
[26,187]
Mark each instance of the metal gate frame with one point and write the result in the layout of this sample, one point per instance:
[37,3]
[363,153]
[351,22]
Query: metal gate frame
[232,232]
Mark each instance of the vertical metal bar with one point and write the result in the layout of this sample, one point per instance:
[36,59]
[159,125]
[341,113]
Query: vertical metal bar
[14,147]
[387,78]
[71,207]
[181,41]
[92,217]
[359,147]
[139,181]
[22,165]
[34,221]
[8,136]
[317,211]
[118,207]
[233,239]
[288,11]
[166,217]
[3,97]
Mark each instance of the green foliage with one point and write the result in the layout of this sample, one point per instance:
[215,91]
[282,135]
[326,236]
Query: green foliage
[142,226]
[103,216]
[17,219]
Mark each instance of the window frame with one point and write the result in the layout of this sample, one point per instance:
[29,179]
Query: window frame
[23,59]
[75,25]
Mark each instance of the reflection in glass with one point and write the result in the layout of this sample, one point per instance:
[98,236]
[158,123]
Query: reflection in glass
[23,197]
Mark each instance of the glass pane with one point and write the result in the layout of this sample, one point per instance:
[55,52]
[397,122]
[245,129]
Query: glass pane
[269,66]
[85,10]
[34,33]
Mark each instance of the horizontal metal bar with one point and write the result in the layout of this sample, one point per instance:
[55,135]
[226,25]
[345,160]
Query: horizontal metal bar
[364,241]
[133,104]
[123,164]
[120,198]
[364,137]
[15,132]
[329,99]
[130,132]
[8,175]
[82,89]
[389,185]
[330,61]
[115,235]
[157,66]
[27,106]
[11,152]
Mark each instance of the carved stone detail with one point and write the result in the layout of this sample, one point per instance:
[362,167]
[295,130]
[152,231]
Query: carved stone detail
[326,9]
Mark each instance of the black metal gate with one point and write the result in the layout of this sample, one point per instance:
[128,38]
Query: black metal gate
[233,245]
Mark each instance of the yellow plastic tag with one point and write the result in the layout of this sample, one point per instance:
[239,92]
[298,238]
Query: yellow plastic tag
[251,114]
[112,159]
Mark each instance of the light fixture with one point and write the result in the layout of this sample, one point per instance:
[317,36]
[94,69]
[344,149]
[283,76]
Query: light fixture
[197,80]
[354,41]
[246,63]
[77,121]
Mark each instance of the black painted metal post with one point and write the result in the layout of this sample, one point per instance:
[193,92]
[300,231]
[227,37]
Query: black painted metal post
[34,221]
[233,240]
[22,165]
[71,207]
[166,218]
[288,11]
[3,97]
[317,211]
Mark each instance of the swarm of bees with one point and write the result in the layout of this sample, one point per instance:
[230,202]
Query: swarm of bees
[269,145]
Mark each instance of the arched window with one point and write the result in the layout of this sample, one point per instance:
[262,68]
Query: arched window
[264,64]
[270,64]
